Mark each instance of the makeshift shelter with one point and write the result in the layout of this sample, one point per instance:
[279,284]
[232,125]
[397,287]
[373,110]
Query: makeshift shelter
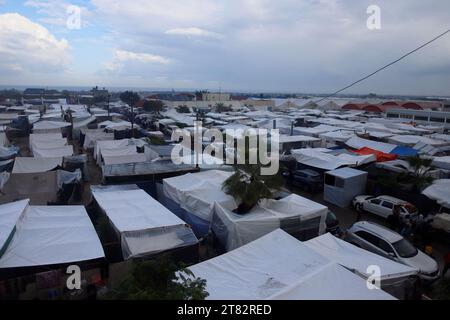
[315,158]
[298,216]
[44,236]
[359,143]
[404,152]
[442,162]
[277,266]
[381,156]
[50,126]
[143,226]
[192,196]
[440,192]
[119,151]
[90,137]
[343,185]
[36,165]
[41,188]
[397,279]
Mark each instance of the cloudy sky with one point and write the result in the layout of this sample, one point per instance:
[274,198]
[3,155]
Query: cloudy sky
[241,45]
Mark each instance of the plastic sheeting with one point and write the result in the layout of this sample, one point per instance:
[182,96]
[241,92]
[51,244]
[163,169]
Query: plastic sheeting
[359,143]
[235,230]
[197,192]
[10,214]
[442,162]
[145,227]
[277,266]
[357,259]
[49,126]
[412,140]
[65,151]
[381,156]
[36,165]
[440,192]
[52,235]
[317,159]
[92,136]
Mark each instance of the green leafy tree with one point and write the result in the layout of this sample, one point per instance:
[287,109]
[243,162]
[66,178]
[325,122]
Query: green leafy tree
[160,279]
[247,186]
[154,106]
[130,98]
[421,169]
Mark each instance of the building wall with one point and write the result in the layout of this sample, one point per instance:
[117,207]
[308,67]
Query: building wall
[216,97]
[421,116]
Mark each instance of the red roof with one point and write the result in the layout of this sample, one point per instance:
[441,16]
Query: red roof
[381,156]
[380,108]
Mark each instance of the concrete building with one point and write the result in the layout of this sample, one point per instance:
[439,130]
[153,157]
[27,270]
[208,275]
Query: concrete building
[421,116]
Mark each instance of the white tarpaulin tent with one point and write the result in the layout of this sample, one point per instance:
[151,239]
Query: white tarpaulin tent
[299,216]
[10,214]
[192,197]
[36,165]
[337,136]
[144,226]
[65,151]
[117,148]
[359,143]
[412,140]
[318,159]
[440,192]
[50,145]
[396,278]
[50,235]
[94,135]
[49,126]
[197,192]
[277,266]
[442,163]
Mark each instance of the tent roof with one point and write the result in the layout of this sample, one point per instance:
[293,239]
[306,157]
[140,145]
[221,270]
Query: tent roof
[346,173]
[318,159]
[359,143]
[277,266]
[36,165]
[357,259]
[440,192]
[131,210]
[52,235]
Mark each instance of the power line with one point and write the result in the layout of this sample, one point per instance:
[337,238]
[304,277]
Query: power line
[385,67]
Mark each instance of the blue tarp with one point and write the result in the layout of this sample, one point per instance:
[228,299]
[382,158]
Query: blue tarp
[405,151]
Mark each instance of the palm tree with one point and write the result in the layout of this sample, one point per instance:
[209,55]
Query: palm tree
[420,171]
[247,186]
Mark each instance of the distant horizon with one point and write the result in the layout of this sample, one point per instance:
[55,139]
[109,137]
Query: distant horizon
[181,90]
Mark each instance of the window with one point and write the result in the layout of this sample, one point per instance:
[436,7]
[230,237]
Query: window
[442,120]
[340,183]
[405,249]
[386,247]
[368,237]
[375,201]
[330,180]
[421,118]
[388,205]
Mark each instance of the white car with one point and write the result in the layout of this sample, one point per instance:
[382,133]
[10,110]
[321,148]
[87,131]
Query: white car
[387,243]
[383,206]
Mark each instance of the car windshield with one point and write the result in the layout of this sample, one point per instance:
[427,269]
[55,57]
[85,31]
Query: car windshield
[405,249]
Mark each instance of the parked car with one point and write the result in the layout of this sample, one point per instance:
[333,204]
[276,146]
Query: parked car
[391,245]
[332,223]
[383,206]
[307,179]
